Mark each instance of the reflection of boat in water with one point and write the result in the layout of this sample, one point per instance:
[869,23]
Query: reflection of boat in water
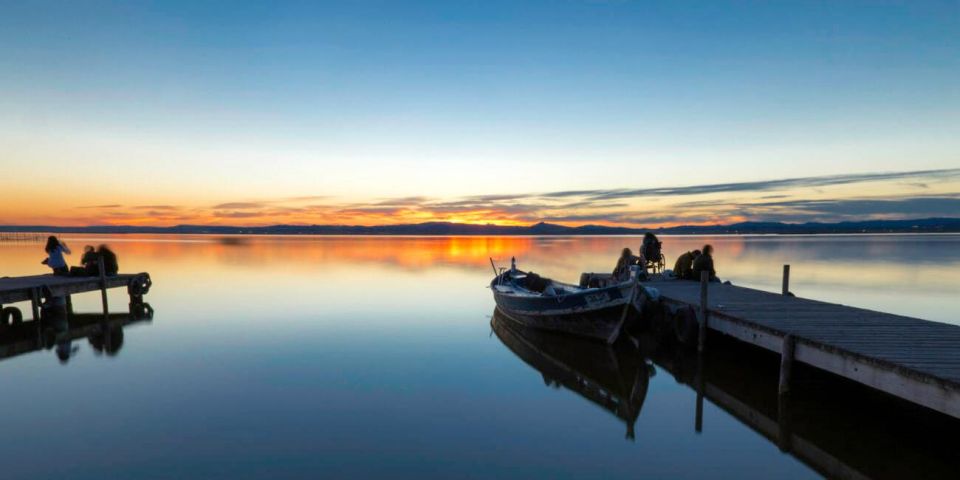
[597,312]
[57,329]
[614,381]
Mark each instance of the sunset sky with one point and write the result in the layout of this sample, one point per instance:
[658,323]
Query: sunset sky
[574,112]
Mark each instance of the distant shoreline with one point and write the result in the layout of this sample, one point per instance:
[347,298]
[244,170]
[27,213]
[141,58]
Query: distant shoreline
[925,225]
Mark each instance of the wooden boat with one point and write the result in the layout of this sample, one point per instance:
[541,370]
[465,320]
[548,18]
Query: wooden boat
[615,379]
[594,312]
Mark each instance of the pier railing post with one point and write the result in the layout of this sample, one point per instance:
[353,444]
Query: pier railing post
[786,363]
[786,280]
[702,337]
[103,285]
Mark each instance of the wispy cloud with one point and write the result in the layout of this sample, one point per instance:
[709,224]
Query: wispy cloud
[239,205]
[112,205]
[921,193]
[758,186]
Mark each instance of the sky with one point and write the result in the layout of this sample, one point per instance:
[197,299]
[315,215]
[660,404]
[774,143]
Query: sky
[378,112]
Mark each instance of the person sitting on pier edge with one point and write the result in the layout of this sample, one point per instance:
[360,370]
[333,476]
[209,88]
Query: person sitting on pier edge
[88,263]
[704,263]
[683,269]
[55,250]
[621,272]
[110,264]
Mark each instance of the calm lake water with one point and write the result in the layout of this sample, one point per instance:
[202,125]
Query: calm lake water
[275,357]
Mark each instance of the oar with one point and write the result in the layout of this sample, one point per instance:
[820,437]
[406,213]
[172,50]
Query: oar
[494,267]
[626,310]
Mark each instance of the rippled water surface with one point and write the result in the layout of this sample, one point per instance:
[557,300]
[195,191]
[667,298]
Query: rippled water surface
[273,357]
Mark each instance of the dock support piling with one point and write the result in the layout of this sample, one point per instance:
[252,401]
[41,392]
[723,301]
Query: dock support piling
[786,280]
[35,303]
[786,363]
[103,286]
[702,337]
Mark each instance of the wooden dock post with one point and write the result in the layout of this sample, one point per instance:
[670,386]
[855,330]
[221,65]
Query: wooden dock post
[786,280]
[103,285]
[786,363]
[35,303]
[702,337]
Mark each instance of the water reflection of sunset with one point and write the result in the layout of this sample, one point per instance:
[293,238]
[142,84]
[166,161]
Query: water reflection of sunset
[839,260]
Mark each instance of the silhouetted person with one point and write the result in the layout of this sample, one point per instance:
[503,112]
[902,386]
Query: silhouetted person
[53,314]
[683,269]
[650,247]
[88,263]
[110,265]
[621,272]
[704,263]
[89,258]
[55,250]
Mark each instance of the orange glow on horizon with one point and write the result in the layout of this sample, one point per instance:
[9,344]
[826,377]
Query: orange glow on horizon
[705,205]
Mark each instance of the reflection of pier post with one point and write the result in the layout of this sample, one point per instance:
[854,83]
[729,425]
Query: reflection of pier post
[786,363]
[783,390]
[785,433]
[698,421]
[704,309]
[701,343]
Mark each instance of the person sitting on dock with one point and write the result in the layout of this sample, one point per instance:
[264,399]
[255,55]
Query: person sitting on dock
[683,269]
[110,265]
[621,272]
[88,263]
[704,263]
[55,250]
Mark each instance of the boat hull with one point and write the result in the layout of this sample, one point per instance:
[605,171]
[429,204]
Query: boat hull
[596,313]
[599,324]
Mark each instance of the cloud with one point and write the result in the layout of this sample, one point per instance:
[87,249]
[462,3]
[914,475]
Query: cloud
[760,186]
[917,206]
[305,198]
[237,214]
[239,205]
[778,199]
[112,205]
[156,207]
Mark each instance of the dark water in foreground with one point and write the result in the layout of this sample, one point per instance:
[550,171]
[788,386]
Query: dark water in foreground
[295,357]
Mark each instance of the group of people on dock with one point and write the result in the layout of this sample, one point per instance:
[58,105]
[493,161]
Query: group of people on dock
[689,265]
[89,262]
[692,264]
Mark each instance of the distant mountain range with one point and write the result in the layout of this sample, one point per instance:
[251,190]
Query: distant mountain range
[925,225]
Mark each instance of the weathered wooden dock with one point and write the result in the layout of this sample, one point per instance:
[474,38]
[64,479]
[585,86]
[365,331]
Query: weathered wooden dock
[38,289]
[913,359]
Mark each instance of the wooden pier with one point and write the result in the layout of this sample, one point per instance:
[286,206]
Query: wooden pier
[913,359]
[40,289]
